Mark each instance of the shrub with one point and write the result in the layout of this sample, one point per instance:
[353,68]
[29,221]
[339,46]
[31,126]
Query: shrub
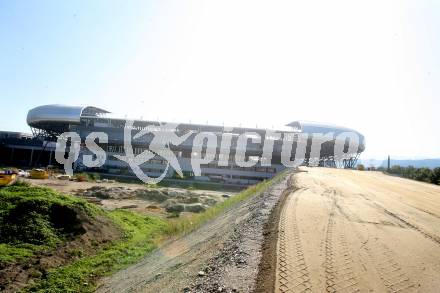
[94,176]
[86,177]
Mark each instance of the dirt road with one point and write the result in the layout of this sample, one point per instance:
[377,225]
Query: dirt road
[352,231]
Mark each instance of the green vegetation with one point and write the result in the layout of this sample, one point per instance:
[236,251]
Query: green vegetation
[419,174]
[35,219]
[141,235]
[10,253]
[29,219]
[88,177]
[360,167]
[28,224]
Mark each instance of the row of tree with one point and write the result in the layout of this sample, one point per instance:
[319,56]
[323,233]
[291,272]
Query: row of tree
[420,174]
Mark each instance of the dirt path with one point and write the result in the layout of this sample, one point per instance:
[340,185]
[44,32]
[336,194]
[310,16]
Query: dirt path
[350,231]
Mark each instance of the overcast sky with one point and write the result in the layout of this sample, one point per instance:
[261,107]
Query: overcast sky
[369,65]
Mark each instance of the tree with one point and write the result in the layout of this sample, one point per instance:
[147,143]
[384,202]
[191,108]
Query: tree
[435,176]
[423,174]
[396,169]
[409,172]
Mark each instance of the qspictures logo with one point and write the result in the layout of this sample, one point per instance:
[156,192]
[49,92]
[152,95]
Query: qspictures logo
[206,147]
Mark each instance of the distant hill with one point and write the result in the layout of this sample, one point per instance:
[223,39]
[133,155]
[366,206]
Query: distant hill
[429,163]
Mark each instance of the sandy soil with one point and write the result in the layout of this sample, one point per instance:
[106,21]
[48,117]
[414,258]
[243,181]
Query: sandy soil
[352,231]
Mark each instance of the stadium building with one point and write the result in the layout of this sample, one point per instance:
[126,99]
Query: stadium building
[49,121]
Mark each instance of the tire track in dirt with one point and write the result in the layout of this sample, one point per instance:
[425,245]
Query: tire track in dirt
[267,270]
[403,222]
[292,271]
[339,271]
[406,223]
[393,276]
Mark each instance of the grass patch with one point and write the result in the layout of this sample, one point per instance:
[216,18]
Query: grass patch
[86,177]
[11,253]
[28,220]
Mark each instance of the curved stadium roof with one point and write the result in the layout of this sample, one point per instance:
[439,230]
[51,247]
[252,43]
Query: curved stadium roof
[318,127]
[60,114]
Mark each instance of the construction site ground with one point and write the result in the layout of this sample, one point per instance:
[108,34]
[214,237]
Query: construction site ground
[352,231]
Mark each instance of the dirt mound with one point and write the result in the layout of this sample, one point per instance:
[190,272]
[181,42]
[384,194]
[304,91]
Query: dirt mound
[53,230]
[102,192]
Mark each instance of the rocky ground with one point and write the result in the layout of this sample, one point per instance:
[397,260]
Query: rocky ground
[158,201]
[221,256]
[236,267]
[143,200]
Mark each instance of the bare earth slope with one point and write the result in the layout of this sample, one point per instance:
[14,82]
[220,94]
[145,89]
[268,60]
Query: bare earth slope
[226,250]
[352,231]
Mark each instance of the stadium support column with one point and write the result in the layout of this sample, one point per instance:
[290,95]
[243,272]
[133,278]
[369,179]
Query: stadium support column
[351,162]
[32,156]
[356,159]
